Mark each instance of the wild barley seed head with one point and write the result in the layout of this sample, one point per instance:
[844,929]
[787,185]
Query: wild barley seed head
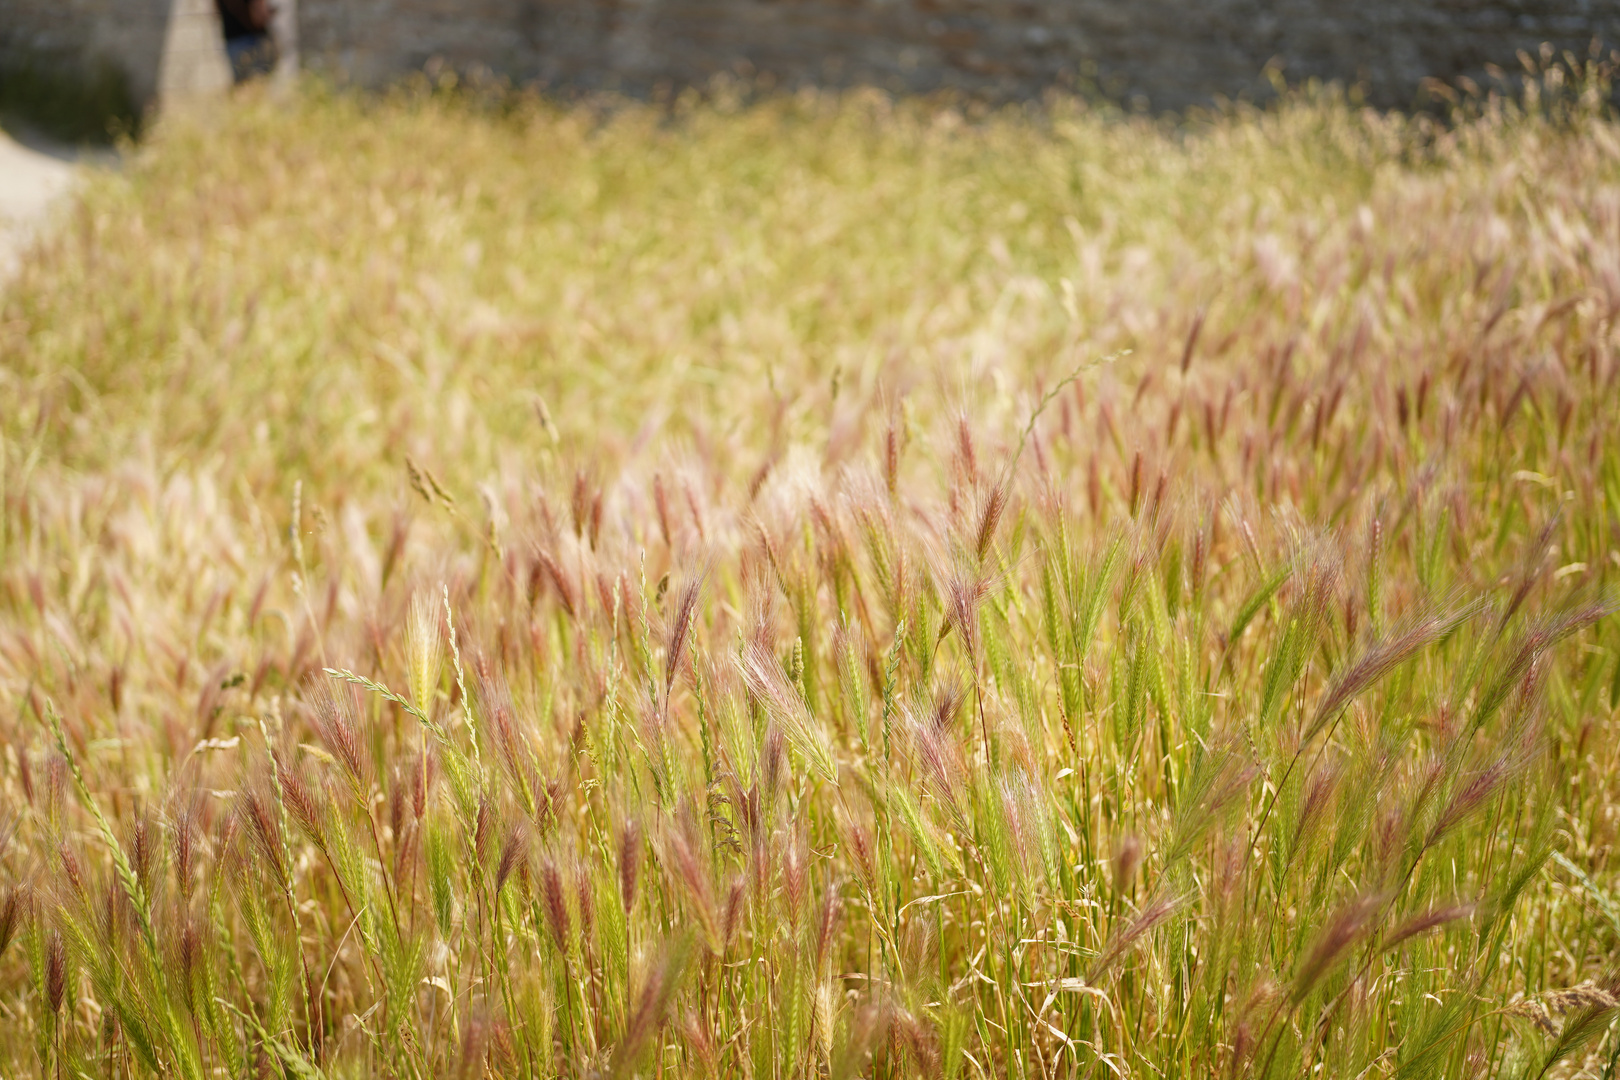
[940,761]
[647,1016]
[1472,796]
[795,878]
[698,1040]
[306,801]
[827,928]
[12,915]
[1425,921]
[56,773]
[397,794]
[190,956]
[994,504]
[920,1039]
[823,1016]
[512,855]
[684,850]
[661,503]
[25,773]
[554,904]
[630,848]
[1127,860]
[1157,911]
[483,825]
[1535,1011]
[1346,927]
[860,843]
[422,776]
[947,704]
[1584,996]
[337,721]
[561,584]
[55,972]
[585,897]
[73,871]
[424,648]
[731,921]
[265,828]
[680,631]
[775,763]
[117,914]
[143,849]
[185,847]
[475,1037]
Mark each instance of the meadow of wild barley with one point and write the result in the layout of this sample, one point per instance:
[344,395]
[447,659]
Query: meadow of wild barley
[817,587]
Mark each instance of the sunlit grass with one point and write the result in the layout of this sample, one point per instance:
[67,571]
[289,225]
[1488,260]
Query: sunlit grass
[825,586]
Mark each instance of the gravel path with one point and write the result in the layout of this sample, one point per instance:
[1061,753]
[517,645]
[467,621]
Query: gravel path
[32,176]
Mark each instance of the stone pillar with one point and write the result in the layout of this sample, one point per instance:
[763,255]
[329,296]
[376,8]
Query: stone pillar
[194,63]
[284,29]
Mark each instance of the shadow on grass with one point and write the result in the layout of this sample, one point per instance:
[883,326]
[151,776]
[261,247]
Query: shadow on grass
[68,103]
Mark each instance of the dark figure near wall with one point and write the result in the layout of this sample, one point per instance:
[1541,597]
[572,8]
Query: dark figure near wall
[247,37]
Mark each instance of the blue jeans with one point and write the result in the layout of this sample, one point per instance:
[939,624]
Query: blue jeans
[250,55]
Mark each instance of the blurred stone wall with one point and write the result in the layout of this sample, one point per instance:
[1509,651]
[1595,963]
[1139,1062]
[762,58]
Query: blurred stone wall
[1159,53]
[158,48]
[1163,53]
[78,36]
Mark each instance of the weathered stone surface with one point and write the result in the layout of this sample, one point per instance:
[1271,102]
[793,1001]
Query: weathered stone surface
[1166,53]
[1163,53]
[78,35]
[194,63]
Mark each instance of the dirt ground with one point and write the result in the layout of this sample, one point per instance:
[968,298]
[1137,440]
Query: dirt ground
[33,174]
